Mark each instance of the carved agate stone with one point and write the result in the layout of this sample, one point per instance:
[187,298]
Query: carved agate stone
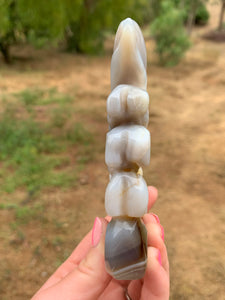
[126,252]
[127,152]
[126,195]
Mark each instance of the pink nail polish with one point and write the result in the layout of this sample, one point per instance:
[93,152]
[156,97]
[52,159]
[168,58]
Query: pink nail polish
[159,257]
[156,217]
[162,232]
[151,219]
[96,232]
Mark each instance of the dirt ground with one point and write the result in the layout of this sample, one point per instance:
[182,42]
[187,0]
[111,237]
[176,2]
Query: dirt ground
[187,126]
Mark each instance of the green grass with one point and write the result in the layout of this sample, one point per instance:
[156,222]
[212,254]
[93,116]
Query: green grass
[30,97]
[23,214]
[33,153]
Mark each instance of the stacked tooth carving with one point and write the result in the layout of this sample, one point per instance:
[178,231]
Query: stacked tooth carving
[127,151]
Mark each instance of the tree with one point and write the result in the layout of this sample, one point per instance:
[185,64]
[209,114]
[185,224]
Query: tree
[37,22]
[193,11]
[220,26]
[81,23]
[193,4]
[7,22]
[86,34]
[169,33]
[193,7]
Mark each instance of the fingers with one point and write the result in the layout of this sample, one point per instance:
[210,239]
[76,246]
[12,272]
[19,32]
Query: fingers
[135,285]
[153,194]
[157,262]
[156,237]
[77,255]
[135,288]
[156,281]
[83,249]
[90,272]
[113,291]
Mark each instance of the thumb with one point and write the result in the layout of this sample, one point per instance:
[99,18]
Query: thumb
[89,279]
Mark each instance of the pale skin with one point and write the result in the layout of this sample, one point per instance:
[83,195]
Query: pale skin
[83,276]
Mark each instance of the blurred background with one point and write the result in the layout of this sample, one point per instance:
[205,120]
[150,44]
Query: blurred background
[54,82]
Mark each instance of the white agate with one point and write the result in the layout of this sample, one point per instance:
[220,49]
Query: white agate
[127,151]
[128,104]
[127,147]
[126,195]
[129,60]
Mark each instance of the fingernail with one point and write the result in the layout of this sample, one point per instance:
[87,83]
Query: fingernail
[159,258]
[152,219]
[96,232]
[156,217]
[162,232]
[153,190]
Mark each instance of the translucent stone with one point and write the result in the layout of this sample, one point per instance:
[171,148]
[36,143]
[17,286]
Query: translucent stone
[126,248]
[126,195]
[129,60]
[127,147]
[128,104]
[127,151]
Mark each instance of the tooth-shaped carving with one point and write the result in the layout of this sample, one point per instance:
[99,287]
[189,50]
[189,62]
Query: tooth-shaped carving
[127,150]
[127,147]
[128,65]
[127,104]
[126,195]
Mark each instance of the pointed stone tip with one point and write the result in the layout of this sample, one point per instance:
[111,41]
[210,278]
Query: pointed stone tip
[129,30]
[129,58]
[128,21]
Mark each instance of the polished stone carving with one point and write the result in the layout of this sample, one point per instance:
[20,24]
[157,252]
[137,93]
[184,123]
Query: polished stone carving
[126,195]
[127,152]
[127,105]
[125,250]
[127,146]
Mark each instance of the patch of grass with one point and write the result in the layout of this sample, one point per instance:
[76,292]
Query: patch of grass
[24,214]
[62,257]
[30,97]
[19,238]
[33,153]
[6,275]
[58,225]
[60,99]
[77,134]
[57,241]
[85,155]
[60,115]
[58,262]
[18,135]
[42,97]
[8,206]
[37,251]
[63,179]
[31,169]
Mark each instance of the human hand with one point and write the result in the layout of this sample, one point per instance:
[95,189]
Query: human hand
[83,276]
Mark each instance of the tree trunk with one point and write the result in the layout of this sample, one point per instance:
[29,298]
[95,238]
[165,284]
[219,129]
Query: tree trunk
[190,21]
[4,48]
[220,27]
